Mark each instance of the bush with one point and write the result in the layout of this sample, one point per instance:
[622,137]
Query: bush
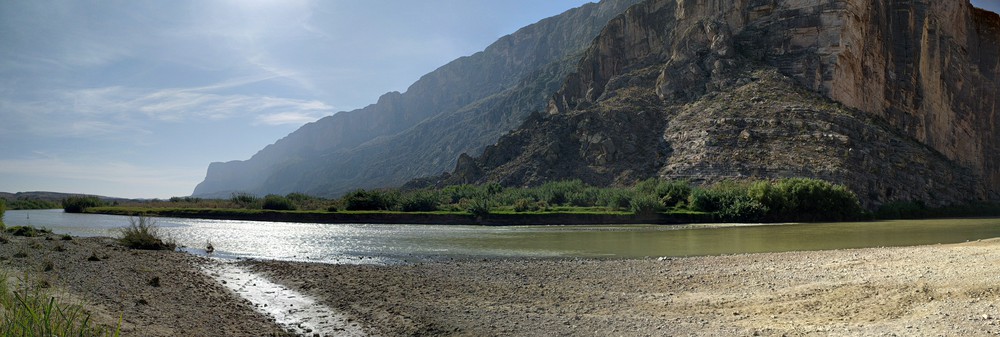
[479,206]
[615,198]
[245,200]
[645,205]
[26,231]
[362,200]
[3,208]
[743,209]
[142,233]
[673,192]
[525,205]
[816,200]
[421,201]
[557,192]
[80,204]
[278,203]
[26,309]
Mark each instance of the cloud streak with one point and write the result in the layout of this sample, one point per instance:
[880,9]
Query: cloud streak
[109,110]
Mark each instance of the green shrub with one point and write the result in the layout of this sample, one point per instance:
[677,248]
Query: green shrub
[245,200]
[23,231]
[672,193]
[817,200]
[743,209]
[278,203]
[80,204]
[557,192]
[420,201]
[645,205]
[375,200]
[455,193]
[479,206]
[615,198]
[142,233]
[27,310]
[525,205]
[3,208]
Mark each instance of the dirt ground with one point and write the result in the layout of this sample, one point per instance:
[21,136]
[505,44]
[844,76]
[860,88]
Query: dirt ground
[944,290]
[115,282]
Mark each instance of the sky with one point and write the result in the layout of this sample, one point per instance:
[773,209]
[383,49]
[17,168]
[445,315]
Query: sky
[135,98]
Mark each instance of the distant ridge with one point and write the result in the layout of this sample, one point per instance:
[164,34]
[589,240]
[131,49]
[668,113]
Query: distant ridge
[458,108]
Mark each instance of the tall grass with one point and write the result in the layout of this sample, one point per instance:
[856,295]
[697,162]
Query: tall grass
[142,233]
[29,311]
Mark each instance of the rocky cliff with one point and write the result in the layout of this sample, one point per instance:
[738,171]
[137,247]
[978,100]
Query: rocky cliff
[458,108]
[897,99]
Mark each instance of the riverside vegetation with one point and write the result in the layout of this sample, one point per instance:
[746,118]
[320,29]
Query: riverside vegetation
[795,199]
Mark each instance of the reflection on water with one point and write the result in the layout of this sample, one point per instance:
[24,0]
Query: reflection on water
[362,243]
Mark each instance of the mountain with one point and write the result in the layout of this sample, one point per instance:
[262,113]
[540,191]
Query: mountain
[459,108]
[896,99]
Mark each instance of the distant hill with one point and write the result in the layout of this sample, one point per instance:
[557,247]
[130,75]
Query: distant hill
[459,108]
[52,196]
[899,100]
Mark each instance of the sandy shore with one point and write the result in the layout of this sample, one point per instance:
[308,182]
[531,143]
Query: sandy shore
[948,290]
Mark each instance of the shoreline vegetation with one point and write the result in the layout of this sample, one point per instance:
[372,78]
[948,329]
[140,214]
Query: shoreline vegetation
[571,202]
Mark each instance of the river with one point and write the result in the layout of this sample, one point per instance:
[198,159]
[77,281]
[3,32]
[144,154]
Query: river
[368,243]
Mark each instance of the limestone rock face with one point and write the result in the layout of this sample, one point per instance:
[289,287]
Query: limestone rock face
[897,99]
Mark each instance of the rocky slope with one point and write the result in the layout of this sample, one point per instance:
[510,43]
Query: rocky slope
[458,108]
[898,100]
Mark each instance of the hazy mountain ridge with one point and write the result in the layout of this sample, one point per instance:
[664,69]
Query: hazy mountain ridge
[709,90]
[340,152]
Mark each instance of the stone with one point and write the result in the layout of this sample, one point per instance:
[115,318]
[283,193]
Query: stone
[896,100]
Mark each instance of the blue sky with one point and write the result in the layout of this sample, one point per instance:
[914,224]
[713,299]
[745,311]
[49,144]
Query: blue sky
[136,98]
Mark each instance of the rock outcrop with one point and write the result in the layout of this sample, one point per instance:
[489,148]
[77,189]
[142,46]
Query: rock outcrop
[896,99]
[460,107]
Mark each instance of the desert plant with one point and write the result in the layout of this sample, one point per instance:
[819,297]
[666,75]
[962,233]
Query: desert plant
[80,204]
[420,201]
[525,205]
[23,231]
[364,200]
[245,200]
[142,233]
[645,205]
[479,206]
[27,310]
[278,203]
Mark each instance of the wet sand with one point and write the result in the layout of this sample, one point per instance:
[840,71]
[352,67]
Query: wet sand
[950,290]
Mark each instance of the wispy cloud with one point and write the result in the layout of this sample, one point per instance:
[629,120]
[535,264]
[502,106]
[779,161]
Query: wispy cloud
[108,110]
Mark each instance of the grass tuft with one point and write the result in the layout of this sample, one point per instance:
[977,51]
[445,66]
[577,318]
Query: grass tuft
[142,233]
[29,311]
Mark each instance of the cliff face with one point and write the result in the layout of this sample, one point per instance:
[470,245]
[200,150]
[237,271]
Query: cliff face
[896,99]
[458,108]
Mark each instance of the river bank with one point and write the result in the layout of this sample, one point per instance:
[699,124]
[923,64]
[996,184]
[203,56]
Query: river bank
[415,218]
[948,290]
[153,293]
[926,290]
